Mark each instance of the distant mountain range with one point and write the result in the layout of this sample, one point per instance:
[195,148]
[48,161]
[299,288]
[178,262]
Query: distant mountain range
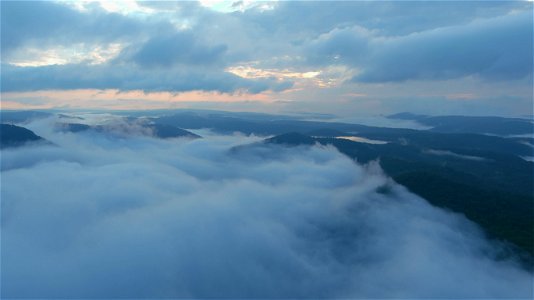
[470,124]
[450,141]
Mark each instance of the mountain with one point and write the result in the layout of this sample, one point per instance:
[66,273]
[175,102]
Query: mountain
[16,136]
[168,131]
[326,132]
[471,124]
[462,142]
[485,177]
[407,116]
[8,116]
[493,189]
[72,127]
[158,130]
[293,139]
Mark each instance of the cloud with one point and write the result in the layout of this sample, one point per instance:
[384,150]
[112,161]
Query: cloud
[128,77]
[100,217]
[349,46]
[178,48]
[155,55]
[43,23]
[469,47]
[496,49]
[391,18]
[288,23]
[493,49]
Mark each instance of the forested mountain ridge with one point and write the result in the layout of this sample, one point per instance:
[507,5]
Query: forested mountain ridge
[15,136]
[493,189]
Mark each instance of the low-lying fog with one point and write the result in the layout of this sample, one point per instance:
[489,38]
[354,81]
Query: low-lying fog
[106,216]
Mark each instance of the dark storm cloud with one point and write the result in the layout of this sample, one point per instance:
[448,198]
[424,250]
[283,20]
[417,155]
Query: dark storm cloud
[137,217]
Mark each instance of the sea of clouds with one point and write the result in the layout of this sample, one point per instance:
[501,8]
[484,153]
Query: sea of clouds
[104,216]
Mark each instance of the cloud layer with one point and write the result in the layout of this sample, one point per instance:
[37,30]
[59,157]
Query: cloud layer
[403,41]
[154,56]
[300,55]
[101,216]
[128,78]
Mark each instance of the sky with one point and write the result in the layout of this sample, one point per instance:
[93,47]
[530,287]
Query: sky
[343,58]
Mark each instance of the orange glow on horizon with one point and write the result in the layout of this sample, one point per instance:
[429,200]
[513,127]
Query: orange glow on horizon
[121,100]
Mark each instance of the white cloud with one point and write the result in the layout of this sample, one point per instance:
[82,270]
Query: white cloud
[74,54]
[101,217]
[228,6]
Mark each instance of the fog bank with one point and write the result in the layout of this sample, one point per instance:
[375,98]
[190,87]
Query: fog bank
[104,216]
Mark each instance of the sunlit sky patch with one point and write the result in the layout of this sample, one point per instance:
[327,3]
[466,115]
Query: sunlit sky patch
[226,6]
[75,54]
[124,7]
[346,58]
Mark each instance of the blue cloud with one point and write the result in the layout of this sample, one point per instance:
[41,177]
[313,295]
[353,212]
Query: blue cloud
[499,49]
[42,23]
[157,58]
[128,77]
[492,49]
[390,18]
[349,46]
[380,41]
[178,48]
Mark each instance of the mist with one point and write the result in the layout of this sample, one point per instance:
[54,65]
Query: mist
[97,215]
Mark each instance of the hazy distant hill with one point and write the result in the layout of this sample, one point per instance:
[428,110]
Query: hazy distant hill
[158,130]
[7,116]
[168,131]
[15,136]
[457,141]
[293,138]
[471,124]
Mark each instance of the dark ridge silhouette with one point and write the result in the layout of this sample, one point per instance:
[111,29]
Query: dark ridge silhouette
[327,132]
[162,131]
[291,139]
[16,136]
[168,131]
